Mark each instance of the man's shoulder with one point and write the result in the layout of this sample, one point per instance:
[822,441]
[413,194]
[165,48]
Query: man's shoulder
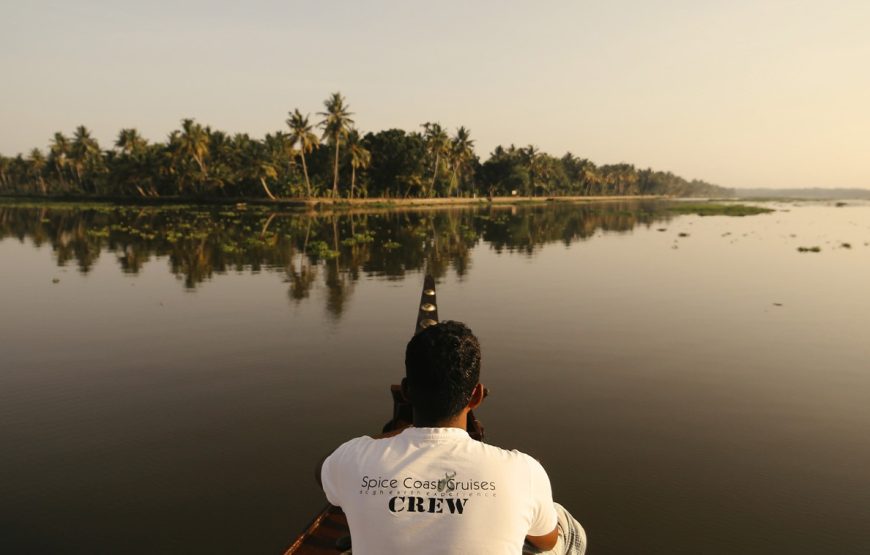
[511,455]
[354,444]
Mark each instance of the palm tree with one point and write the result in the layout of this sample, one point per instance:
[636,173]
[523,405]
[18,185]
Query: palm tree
[263,168]
[59,150]
[193,142]
[84,152]
[590,175]
[5,164]
[461,152]
[36,164]
[281,154]
[172,162]
[222,155]
[127,170]
[360,157]
[130,142]
[336,124]
[436,142]
[301,133]
[532,157]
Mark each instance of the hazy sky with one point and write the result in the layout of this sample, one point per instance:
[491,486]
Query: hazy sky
[740,93]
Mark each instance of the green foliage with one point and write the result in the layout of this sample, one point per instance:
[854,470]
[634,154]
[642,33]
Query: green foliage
[320,249]
[198,161]
[359,239]
[717,209]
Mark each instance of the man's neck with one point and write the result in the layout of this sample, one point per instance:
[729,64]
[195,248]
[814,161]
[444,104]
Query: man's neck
[459,421]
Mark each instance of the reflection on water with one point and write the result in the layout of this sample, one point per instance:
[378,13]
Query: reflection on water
[336,248]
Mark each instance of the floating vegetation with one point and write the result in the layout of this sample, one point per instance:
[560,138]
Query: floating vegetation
[841,204]
[55,280]
[662,229]
[683,234]
[846,245]
[254,242]
[390,245]
[358,239]
[321,249]
[717,209]
[809,249]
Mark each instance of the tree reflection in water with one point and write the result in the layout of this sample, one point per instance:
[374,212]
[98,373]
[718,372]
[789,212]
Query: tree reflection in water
[341,247]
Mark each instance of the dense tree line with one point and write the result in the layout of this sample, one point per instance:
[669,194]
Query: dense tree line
[342,162]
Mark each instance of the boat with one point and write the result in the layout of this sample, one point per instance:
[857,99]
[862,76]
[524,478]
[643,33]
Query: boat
[328,532]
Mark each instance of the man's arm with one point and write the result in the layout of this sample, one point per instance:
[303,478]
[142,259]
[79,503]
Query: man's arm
[545,542]
[545,510]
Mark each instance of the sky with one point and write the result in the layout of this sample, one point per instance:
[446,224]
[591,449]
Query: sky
[762,93]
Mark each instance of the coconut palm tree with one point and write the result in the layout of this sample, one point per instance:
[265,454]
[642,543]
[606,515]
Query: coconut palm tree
[436,143]
[281,154]
[223,154]
[262,167]
[301,133]
[127,168]
[360,157]
[36,164]
[58,155]
[172,163]
[84,154]
[461,153]
[194,142]
[336,124]
[532,157]
[130,142]
[5,164]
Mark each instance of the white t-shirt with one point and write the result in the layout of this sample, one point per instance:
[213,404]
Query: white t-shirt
[436,490]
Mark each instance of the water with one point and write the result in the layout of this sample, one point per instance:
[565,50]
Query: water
[171,392]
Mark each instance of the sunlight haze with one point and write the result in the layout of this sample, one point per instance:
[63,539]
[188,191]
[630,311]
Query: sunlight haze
[741,94]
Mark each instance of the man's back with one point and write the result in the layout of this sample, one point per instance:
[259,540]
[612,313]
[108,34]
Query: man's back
[436,490]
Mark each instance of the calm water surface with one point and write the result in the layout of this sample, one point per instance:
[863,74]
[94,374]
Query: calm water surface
[168,377]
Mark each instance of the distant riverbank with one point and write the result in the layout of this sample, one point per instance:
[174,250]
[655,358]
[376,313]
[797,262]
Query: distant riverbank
[307,204]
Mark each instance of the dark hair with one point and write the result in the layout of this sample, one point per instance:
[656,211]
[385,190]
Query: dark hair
[442,366]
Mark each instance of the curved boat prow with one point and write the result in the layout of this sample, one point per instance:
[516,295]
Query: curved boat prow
[427,314]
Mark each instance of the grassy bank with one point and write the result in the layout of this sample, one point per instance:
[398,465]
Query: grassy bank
[717,209]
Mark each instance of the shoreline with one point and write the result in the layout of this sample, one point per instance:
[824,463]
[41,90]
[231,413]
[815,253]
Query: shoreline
[320,203]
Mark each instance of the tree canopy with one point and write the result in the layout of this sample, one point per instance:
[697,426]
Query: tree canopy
[198,161]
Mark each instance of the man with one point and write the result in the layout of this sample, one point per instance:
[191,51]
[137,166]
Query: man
[431,488]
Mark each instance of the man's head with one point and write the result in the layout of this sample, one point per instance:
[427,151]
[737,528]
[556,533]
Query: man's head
[442,368]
